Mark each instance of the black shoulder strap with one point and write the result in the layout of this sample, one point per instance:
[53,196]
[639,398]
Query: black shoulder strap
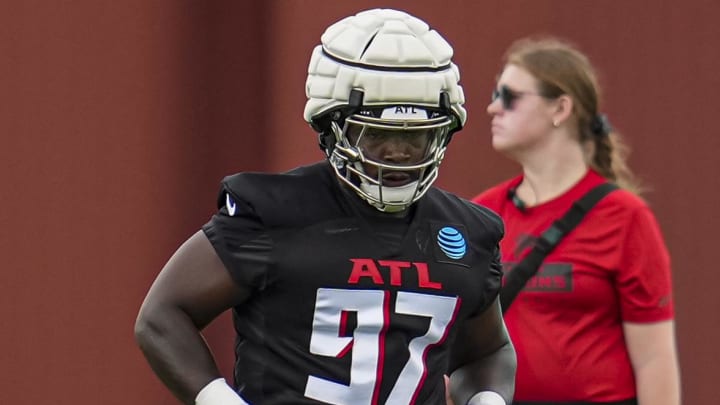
[515,280]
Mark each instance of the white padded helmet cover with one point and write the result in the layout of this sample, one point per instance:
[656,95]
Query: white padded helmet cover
[393,57]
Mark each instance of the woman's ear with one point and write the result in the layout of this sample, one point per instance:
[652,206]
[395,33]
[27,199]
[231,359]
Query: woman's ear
[562,111]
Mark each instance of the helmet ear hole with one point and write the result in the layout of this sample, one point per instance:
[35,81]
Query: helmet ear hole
[323,125]
[326,141]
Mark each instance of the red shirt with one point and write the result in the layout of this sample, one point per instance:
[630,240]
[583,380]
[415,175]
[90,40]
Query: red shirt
[566,324]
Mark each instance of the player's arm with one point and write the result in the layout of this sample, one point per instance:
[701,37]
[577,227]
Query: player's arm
[483,361]
[191,290]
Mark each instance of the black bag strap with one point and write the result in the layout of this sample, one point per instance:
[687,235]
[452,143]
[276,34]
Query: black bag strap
[515,280]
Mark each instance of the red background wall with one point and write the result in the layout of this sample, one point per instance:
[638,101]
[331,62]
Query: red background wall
[118,119]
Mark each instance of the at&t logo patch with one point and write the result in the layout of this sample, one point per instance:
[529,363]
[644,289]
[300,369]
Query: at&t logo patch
[451,242]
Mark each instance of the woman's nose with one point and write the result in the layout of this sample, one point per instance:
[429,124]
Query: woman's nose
[494,107]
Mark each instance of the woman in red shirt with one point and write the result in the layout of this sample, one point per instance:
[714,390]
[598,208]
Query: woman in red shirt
[595,323]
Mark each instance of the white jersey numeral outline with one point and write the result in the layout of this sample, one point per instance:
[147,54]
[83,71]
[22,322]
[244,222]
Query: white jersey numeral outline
[368,342]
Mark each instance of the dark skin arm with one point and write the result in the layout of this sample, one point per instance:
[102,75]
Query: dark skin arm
[483,358]
[191,290]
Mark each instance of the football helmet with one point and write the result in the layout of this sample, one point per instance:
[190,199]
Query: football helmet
[383,77]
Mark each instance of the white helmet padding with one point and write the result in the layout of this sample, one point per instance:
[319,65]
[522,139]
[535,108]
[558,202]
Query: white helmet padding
[393,57]
[367,63]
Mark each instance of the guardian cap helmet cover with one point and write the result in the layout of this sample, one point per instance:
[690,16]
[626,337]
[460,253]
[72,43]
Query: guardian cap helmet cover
[384,76]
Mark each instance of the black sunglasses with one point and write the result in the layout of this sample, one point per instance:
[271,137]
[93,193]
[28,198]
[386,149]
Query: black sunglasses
[508,96]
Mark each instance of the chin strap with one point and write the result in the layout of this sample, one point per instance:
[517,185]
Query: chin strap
[394,199]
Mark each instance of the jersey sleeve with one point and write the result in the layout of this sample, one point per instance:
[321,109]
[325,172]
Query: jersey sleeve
[238,236]
[493,280]
[494,277]
[644,278]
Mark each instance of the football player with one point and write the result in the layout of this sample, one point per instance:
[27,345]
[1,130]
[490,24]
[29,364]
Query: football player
[353,280]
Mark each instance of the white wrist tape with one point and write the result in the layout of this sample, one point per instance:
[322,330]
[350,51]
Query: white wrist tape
[486,398]
[217,392]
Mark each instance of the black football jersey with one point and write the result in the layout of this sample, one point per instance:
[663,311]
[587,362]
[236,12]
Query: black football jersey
[349,306]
